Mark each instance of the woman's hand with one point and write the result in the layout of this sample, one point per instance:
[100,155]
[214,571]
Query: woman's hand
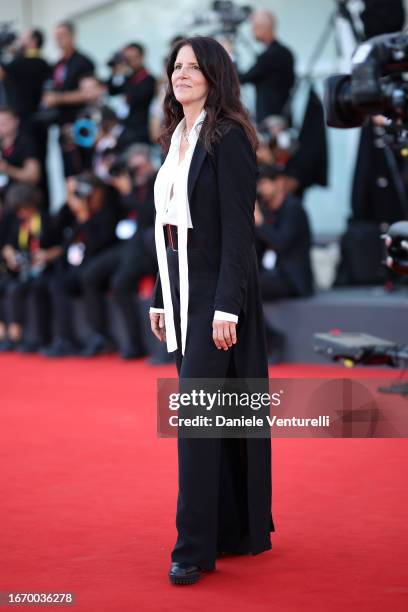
[224,334]
[158,325]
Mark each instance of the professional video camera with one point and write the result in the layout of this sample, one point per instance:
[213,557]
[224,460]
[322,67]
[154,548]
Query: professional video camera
[225,14]
[274,132]
[376,85]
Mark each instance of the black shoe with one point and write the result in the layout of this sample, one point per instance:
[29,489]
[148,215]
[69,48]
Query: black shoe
[183,573]
[61,347]
[97,345]
[133,352]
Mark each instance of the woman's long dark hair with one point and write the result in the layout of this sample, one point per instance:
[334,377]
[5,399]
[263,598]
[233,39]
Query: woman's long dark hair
[223,103]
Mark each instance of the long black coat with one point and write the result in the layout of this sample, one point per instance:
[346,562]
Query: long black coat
[223,275]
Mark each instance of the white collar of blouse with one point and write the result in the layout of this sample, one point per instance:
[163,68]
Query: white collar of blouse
[194,132]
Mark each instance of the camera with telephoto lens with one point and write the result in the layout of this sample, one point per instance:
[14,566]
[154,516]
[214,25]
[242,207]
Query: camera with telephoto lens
[115,59]
[275,132]
[83,188]
[85,128]
[118,165]
[376,85]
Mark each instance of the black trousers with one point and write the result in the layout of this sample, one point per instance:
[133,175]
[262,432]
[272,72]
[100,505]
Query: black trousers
[18,293]
[39,134]
[274,285]
[212,503]
[64,285]
[120,269]
[74,159]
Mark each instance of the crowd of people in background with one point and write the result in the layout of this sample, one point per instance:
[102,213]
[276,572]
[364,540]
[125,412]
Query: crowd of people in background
[101,240]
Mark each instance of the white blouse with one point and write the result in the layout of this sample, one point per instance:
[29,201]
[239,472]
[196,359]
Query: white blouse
[170,214]
[172,206]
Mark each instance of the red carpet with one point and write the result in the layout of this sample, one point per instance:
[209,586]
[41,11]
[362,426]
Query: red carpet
[89,492]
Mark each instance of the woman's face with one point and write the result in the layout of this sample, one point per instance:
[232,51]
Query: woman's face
[189,84]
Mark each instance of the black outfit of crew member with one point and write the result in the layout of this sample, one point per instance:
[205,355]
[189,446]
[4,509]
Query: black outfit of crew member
[121,267]
[66,76]
[26,283]
[16,155]
[139,91]
[286,231]
[91,236]
[26,76]
[24,82]
[273,76]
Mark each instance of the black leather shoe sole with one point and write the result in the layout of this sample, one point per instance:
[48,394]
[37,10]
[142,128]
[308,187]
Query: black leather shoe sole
[192,579]
[178,576]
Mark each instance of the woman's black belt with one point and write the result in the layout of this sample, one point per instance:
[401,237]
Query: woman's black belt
[171,234]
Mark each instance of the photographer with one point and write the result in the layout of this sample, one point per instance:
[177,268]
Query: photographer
[273,72]
[18,155]
[283,243]
[28,251]
[130,78]
[24,76]
[95,214]
[80,137]
[121,267]
[111,141]
[66,98]
[301,152]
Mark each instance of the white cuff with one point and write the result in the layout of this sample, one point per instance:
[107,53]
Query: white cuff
[161,310]
[225,316]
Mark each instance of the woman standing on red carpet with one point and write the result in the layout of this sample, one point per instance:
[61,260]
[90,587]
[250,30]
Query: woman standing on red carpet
[206,303]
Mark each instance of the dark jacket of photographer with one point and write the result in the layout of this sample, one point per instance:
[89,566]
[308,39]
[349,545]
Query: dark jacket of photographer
[139,204]
[24,82]
[96,234]
[139,91]
[273,76]
[22,149]
[286,231]
[66,76]
[29,243]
